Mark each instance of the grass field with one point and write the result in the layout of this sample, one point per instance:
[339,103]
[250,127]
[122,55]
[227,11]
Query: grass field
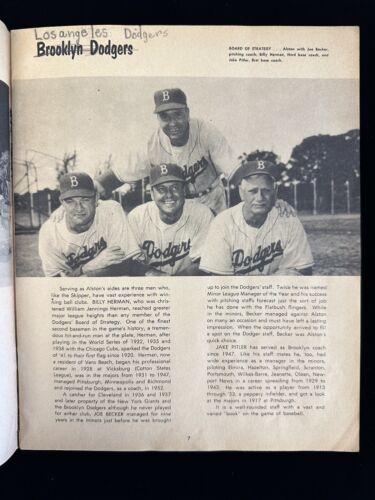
[335,244]
[334,240]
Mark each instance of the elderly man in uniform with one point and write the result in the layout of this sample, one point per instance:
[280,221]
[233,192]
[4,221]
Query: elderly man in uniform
[251,238]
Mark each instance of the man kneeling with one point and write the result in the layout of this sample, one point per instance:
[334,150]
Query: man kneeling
[170,230]
[91,238]
[251,238]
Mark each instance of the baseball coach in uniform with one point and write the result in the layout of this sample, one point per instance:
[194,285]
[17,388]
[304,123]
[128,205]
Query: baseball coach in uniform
[193,144]
[91,237]
[252,238]
[170,230]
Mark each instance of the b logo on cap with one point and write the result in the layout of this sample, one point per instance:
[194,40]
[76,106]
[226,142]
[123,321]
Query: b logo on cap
[163,169]
[165,95]
[73,181]
[261,165]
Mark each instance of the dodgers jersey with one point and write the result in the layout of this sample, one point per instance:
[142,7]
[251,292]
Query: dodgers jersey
[234,247]
[170,247]
[62,251]
[204,157]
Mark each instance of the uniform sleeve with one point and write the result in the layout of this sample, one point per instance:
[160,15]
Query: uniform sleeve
[221,153]
[134,225]
[203,220]
[53,262]
[119,231]
[216,257]
[133,166]
[297,253]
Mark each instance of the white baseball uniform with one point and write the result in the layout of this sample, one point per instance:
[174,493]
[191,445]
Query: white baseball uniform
[62,251]
[204,158]
[234,248]
[170,247]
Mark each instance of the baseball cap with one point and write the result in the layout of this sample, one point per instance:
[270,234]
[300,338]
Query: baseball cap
[169,99]
[166,172]
[256,167]
[76,184]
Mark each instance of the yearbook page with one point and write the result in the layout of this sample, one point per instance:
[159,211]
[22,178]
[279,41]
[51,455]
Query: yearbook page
[187,237]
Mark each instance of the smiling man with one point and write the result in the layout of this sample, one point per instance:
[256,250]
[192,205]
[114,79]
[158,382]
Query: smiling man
[90,238]
[252,238]
[193,144]
[170,230]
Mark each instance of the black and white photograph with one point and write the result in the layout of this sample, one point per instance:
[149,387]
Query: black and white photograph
[130,176]
[5,207]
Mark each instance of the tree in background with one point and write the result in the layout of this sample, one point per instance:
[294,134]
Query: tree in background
[260,155]
[331,162]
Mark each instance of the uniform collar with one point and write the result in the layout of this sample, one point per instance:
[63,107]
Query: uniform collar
[155,215]
[240,222]
[193,136]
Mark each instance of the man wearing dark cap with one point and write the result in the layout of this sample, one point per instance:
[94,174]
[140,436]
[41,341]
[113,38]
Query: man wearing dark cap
[90,238]
[251,238]
[193,144]
[170,230]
